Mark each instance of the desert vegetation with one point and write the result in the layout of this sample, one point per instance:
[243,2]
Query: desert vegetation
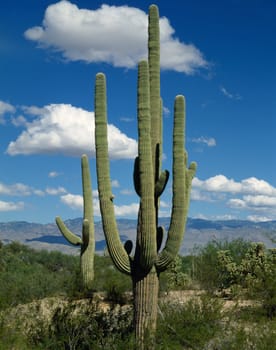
[44,307]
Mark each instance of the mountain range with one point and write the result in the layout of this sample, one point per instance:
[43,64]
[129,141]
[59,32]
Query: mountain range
[198,233]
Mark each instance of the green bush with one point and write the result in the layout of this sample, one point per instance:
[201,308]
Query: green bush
[207,270]
[255,275]
[27,275]
[84,327]
[190,325]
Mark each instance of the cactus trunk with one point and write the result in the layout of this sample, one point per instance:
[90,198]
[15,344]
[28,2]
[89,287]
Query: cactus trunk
[145,293]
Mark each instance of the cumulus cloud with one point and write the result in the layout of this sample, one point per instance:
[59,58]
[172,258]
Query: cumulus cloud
[258,218]
[76,202]
[19,121]
[11,206]
[17,189]
[128,210]
[4,109]
[65,129]
[55,191]
[258,201]
[221,183]
[218,183]
[254,196]
[113,34]
[209,141]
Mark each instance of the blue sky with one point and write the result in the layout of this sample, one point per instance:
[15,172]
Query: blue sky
[219,54]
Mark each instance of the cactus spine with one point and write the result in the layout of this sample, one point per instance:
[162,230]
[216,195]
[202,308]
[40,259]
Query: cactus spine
[145,265]
[87,242]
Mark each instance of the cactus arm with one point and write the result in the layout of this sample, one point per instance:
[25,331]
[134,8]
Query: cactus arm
[136,177]
[128,246]
[160,236]
[88,230]
[182,178]
[154,74]
[86,189]
[85,233]
[68,235]
[161,183]
[116,249]
[146,236]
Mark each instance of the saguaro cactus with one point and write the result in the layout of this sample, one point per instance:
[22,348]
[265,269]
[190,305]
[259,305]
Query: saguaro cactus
[147,262]
[87,242]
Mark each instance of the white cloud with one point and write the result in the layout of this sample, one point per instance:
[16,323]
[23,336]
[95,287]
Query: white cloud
[38,192]
[209,141]
[55,191]
[129,210]
[127,119]
[127,192]
[218,183]
[115,183]
[65,129]
[11,206]
[113,34]
[73,201]
[255,186]
[257,218]
[260,201]
[17,189]
[5,108]
[53,174]
[252,195]
[229,95]
[76,202]
[221,183]
[237,203]
[19,121]
[166,111]
[33,110]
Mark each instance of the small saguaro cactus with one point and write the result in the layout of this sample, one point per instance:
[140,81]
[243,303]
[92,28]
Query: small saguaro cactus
[146,263]
[87,241]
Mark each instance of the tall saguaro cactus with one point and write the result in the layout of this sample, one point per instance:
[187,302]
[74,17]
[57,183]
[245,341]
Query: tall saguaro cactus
[147,261]
[87,242]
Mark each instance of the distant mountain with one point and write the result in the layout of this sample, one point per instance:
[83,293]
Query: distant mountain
[198,233]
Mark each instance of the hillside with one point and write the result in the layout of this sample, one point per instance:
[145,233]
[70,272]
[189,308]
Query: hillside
[198,232]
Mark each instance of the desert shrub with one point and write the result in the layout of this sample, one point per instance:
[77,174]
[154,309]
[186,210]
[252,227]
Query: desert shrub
[84,327]
[110,280]
[246,338]
[255,275]
[189,325]
[26,274]
[176,277]
[207,270]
